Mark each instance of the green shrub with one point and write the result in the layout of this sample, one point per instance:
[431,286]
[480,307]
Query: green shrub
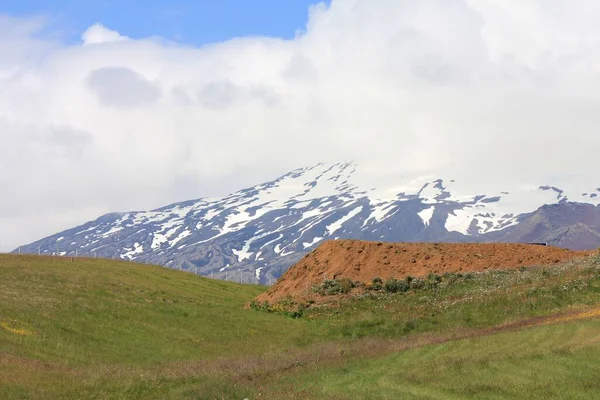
[346,285]
[394,285]
[417,283]
[376,283]
[298,313]
[331,286]
[258,306]
[432,277]
[391,285]
[334,286]
[430,285]
[403,286]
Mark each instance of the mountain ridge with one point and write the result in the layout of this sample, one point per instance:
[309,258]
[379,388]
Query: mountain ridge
[264,229]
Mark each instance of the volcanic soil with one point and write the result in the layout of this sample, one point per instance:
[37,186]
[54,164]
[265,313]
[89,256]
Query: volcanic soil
[362,261]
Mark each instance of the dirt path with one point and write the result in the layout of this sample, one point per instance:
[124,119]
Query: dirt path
[259,370]
[331,354]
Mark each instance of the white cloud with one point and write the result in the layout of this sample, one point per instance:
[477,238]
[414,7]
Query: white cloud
[477,89]
[98,34]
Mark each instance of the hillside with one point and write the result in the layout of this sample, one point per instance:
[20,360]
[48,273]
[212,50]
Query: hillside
[574,226]
[104,329]
[124,312]
[362,261]
[264,229]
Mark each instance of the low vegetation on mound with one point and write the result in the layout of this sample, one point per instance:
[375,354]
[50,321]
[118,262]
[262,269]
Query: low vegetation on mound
[105,329]
[339,266]
[448,301]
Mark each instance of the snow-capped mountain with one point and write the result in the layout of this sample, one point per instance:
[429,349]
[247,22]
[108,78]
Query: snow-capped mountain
[264,229]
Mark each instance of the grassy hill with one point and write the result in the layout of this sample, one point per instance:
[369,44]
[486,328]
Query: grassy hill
[85,325]
[104,329]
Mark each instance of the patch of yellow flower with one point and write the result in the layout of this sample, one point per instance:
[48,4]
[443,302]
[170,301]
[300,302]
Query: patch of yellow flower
[16,331]
[594,313]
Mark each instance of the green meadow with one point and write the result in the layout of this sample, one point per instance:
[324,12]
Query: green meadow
[104,329]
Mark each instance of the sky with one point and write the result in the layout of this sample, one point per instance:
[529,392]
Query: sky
[194,22]
[109,106]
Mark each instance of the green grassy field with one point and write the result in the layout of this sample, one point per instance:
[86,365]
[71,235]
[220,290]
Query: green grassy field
[560,361]
[106,329]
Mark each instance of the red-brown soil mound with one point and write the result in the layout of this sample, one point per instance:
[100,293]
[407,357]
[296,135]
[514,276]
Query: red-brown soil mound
[362,261]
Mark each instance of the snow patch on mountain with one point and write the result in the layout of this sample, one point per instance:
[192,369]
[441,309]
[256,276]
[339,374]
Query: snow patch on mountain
[379,212]
[316,240]
[334,227]
[112,231]
[132,252]
[426,215]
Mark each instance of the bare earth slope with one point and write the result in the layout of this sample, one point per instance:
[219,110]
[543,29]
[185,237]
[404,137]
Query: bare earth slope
[362,261]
